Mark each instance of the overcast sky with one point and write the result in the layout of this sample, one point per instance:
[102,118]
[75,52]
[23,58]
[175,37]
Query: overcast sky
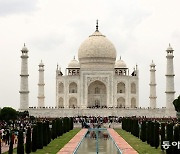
[53,31]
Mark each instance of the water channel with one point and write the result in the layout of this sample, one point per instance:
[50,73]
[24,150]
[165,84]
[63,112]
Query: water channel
[97,141]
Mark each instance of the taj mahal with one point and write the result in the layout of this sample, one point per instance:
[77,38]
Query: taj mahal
[97,84]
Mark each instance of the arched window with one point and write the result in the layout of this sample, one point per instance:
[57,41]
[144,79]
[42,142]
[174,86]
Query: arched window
[73,87]
[60,102]
[60,88]
[133,103]
[121,87]
[133,88]
[121,102]
[72,102]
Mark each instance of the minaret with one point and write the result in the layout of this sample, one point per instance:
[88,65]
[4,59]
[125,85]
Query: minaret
[152,86]
[24,92]
[170,79]
[41,85]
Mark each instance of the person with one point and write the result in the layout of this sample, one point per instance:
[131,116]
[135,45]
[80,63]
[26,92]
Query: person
[7,136]
[109,125]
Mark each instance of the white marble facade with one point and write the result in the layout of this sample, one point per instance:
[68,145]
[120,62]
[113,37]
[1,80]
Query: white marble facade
[97,79]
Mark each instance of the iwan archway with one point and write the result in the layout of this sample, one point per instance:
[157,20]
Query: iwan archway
[97,95]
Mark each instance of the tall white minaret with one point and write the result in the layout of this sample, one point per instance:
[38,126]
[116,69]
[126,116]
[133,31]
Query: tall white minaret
[169,79]
[41,85]
[24,92]
[152,86]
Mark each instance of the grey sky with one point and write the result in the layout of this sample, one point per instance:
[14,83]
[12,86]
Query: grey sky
[53,31]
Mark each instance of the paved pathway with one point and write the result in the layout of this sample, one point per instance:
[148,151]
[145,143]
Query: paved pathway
[73,143]
[5,148]
[121,143]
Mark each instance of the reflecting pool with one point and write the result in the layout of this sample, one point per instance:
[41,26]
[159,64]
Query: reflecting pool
[104,144]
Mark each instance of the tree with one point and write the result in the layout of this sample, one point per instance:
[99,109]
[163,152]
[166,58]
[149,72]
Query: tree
[34,139]
[169,137]
[156,134]
[48,132]
[162,132]
[0,143]
[176,137]
[45,134]
[143,131]
[152,134]
[176,104]
[39,135]
[61,127]
[20,145]
[28,141]
[11,146]
[53,129]
[8,113]
[148,131]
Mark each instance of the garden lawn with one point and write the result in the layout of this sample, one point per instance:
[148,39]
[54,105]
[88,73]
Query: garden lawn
[137,144]
[55,145]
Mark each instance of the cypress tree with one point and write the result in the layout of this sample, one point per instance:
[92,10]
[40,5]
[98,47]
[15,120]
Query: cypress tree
[137,128]
[40,135]
[53,129]
[0,143]
[169,137]
[64,125]
[156,135]
[152,134]
[148,132]
[11,146]
[143,131]
[176,138]
[20,145]
[68,125]
[45,134]
[72,123]
[28,141]
[61,127]
[34,139]
[48,132]
[57,127]
[162,134]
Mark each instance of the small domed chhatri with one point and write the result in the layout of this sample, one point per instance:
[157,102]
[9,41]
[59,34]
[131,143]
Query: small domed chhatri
[74,64]
[120,64]
[96,46]
[24,48]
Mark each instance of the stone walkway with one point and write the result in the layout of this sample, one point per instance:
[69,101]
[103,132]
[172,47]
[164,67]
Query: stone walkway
[121,143]
[73,143]
[5,148]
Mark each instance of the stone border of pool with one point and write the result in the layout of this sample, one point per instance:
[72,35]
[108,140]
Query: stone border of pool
[70,147]
[73,144]
[121,143]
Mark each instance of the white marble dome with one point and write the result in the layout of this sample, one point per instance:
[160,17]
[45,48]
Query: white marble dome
[74,64]
[120,64]
[96,46]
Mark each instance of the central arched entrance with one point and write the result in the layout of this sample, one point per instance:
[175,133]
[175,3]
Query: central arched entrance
[97,95]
